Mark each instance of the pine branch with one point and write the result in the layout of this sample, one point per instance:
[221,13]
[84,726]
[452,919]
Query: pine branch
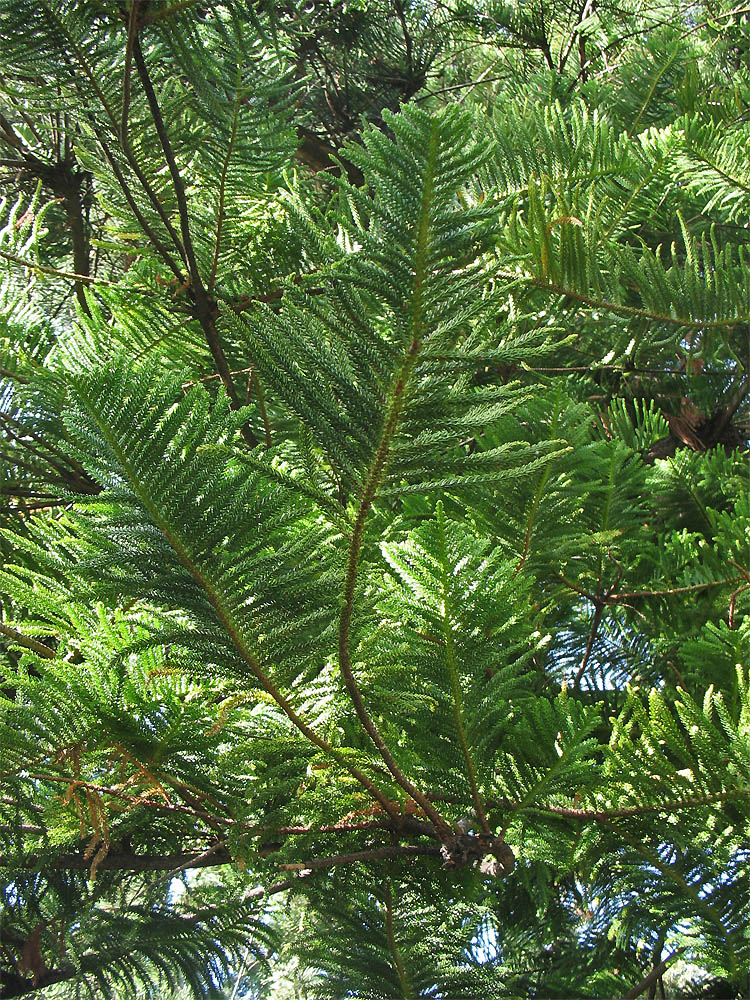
[27,642]
[91,964]
[619,308]
[205,308]
[393,947]
[148,230]
[374,854]
[126,862]
[595,623]
[450,656]
[372,482]
[670,807]
[131,36]
[58,25]
[84,279]
[668,871]
[655,974]
[615,597]
[234,630]
[222,192]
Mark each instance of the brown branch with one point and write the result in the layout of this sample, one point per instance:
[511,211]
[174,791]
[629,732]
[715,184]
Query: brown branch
[743,571]
[32,806]
[101,97]
[320,156]
[574,35]
[17,492]
[575,587]
[128,861]
[460,86]
[177,184]
[17,431]
[670,592]
[155,241]
[375,854]
[8,134]
[18,463]
[614,598]
[20,986]
[405,823]
[595,623]
[132,29]
[27,642]
[7,373]
[406,35]
[66,184]
[79,239]
[214,856]
[66,460]
[656,973]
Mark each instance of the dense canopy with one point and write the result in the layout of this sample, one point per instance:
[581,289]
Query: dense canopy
[375,515]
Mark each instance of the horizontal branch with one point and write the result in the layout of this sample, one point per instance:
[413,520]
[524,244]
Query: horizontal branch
[6,800]
[126,862]
[86,279]
[401,823]
[631,595]
[620,308]
[375,854]
[603,815]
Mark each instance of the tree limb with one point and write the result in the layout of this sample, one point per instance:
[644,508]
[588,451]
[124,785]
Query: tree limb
[653,975]
[375,854]
[127,862]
